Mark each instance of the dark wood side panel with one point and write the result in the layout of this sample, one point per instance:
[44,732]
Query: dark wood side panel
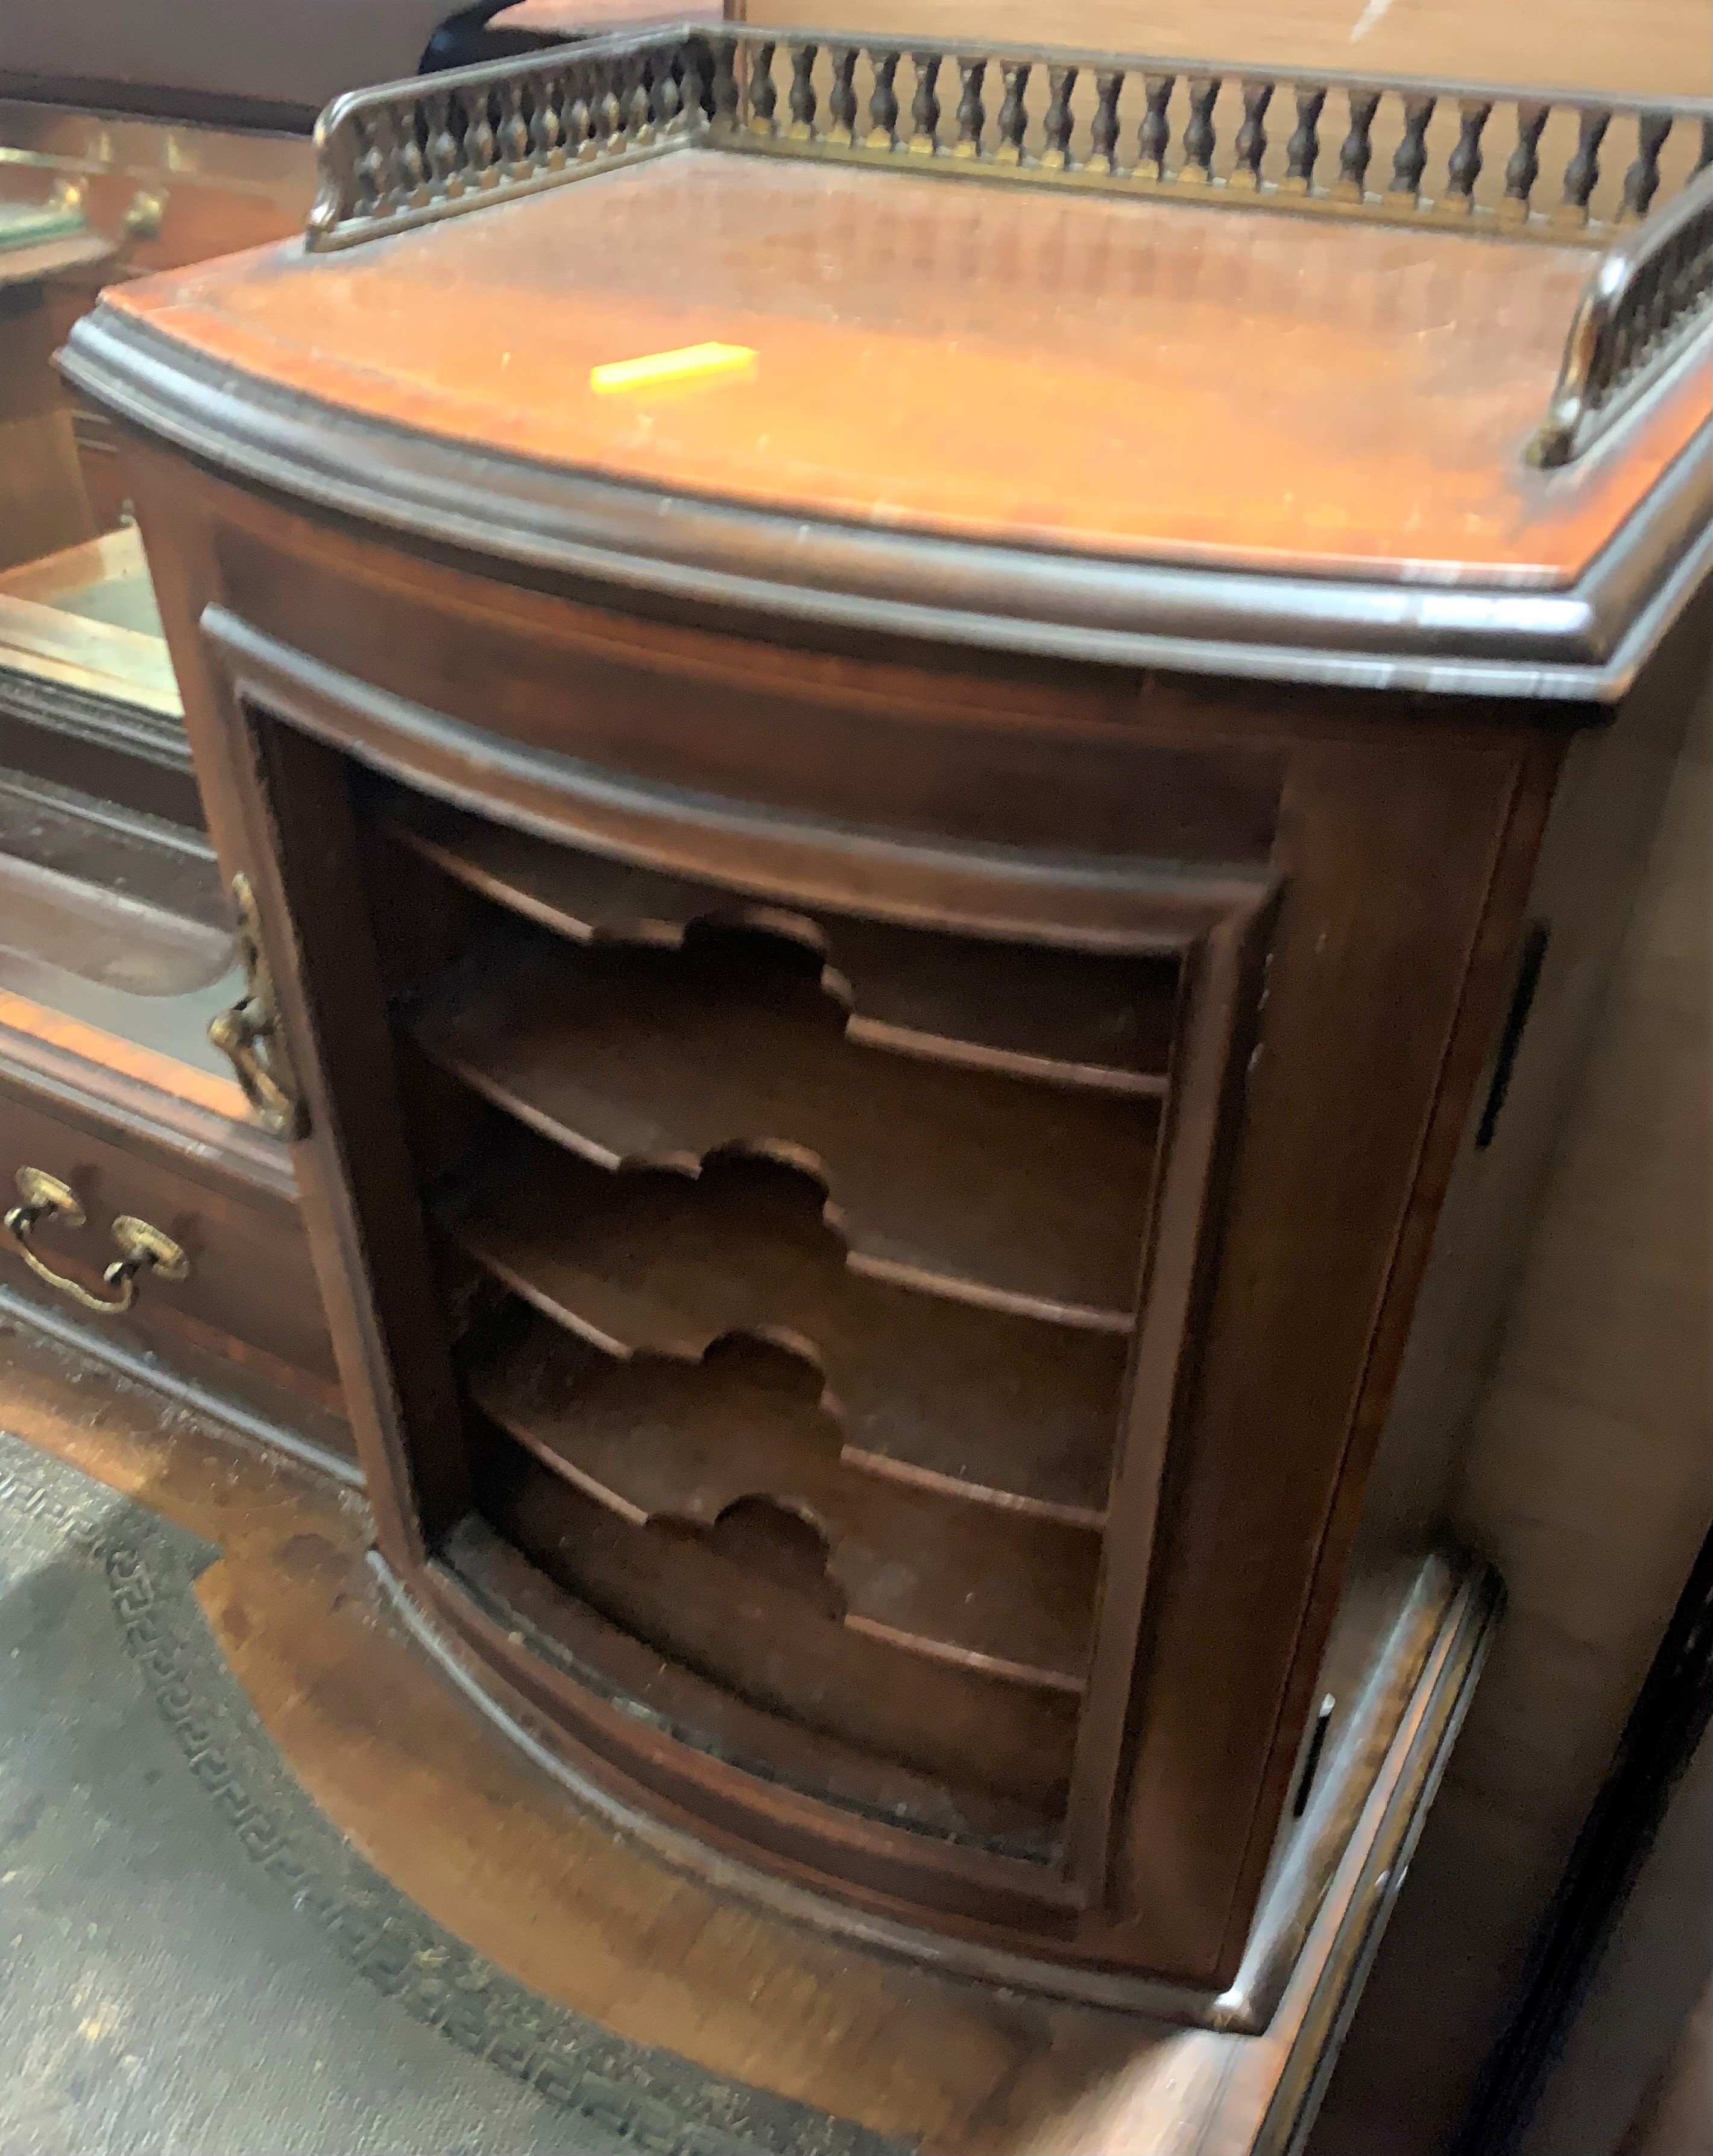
[1389,849]
[1604,813]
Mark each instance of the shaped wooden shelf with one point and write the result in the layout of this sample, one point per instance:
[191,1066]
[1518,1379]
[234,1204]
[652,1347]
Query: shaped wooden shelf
[738,1446]
[1077,1017]
[990,1188]
[999,1409]
[678,1670]
[715,1617]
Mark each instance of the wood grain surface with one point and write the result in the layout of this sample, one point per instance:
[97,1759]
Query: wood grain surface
[1013,1411]
[1585,1474]
[1137,379]
[465,1824]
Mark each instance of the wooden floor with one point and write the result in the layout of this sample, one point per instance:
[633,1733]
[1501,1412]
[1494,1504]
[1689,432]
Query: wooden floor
[460,1821]
[465,1824]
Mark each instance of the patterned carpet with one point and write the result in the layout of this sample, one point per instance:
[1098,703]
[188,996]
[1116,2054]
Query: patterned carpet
[192,1960]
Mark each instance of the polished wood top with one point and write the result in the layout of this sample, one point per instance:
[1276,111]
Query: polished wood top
[1141,380]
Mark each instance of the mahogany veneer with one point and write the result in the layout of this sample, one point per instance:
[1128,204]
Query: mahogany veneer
[884,965]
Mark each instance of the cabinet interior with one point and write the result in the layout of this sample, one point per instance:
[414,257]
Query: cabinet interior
[790,1260]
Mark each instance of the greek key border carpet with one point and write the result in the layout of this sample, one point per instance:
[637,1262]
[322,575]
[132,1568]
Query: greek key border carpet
[66,1546]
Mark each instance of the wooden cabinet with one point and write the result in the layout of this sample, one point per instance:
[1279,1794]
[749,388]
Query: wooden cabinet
[883,958]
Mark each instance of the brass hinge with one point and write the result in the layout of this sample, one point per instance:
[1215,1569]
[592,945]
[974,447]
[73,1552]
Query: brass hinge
[249,1036]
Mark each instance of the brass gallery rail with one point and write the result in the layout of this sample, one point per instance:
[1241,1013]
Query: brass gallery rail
[406,153]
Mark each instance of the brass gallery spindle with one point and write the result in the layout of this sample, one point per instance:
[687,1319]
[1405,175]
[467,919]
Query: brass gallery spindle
[1103,132]
[1464,167]
[514,128]
[692,88]
[883,102]
[725,81]
[764,97]
[925,106]
[640,115]
[1014,113]
[971,113]
[1302,151]
[580,129]
[668,101]
[1410,160]
[478,135]
[1154,136]
[1524,168]
[1252,135]
[546,132]
[1199,137]
[1582,175]
[1641,182]
[802,93]
[1357,152]
[612,116]
[442,144]
[841,98]
[374,168]
[1056,127]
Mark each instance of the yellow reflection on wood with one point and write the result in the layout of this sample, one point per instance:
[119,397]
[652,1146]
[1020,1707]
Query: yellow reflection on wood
[691,362]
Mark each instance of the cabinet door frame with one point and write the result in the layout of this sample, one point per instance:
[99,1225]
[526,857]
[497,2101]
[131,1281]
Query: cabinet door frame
[298,720]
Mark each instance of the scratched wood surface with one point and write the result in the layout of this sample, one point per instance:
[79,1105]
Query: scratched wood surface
[1130,379]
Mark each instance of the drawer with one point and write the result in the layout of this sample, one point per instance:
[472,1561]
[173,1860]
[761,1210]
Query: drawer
[248,1299]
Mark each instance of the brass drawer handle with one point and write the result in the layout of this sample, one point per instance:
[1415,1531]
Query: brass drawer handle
[141,1248]
[247,1034]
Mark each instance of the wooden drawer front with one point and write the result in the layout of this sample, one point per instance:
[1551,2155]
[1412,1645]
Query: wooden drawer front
[250,1293]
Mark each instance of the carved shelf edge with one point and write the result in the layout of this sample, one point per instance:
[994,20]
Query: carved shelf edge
[1056,1011]
[906,1149]
[406,153]
[981,1829]
[1647,303]
[991,1408]
[1000,1593]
